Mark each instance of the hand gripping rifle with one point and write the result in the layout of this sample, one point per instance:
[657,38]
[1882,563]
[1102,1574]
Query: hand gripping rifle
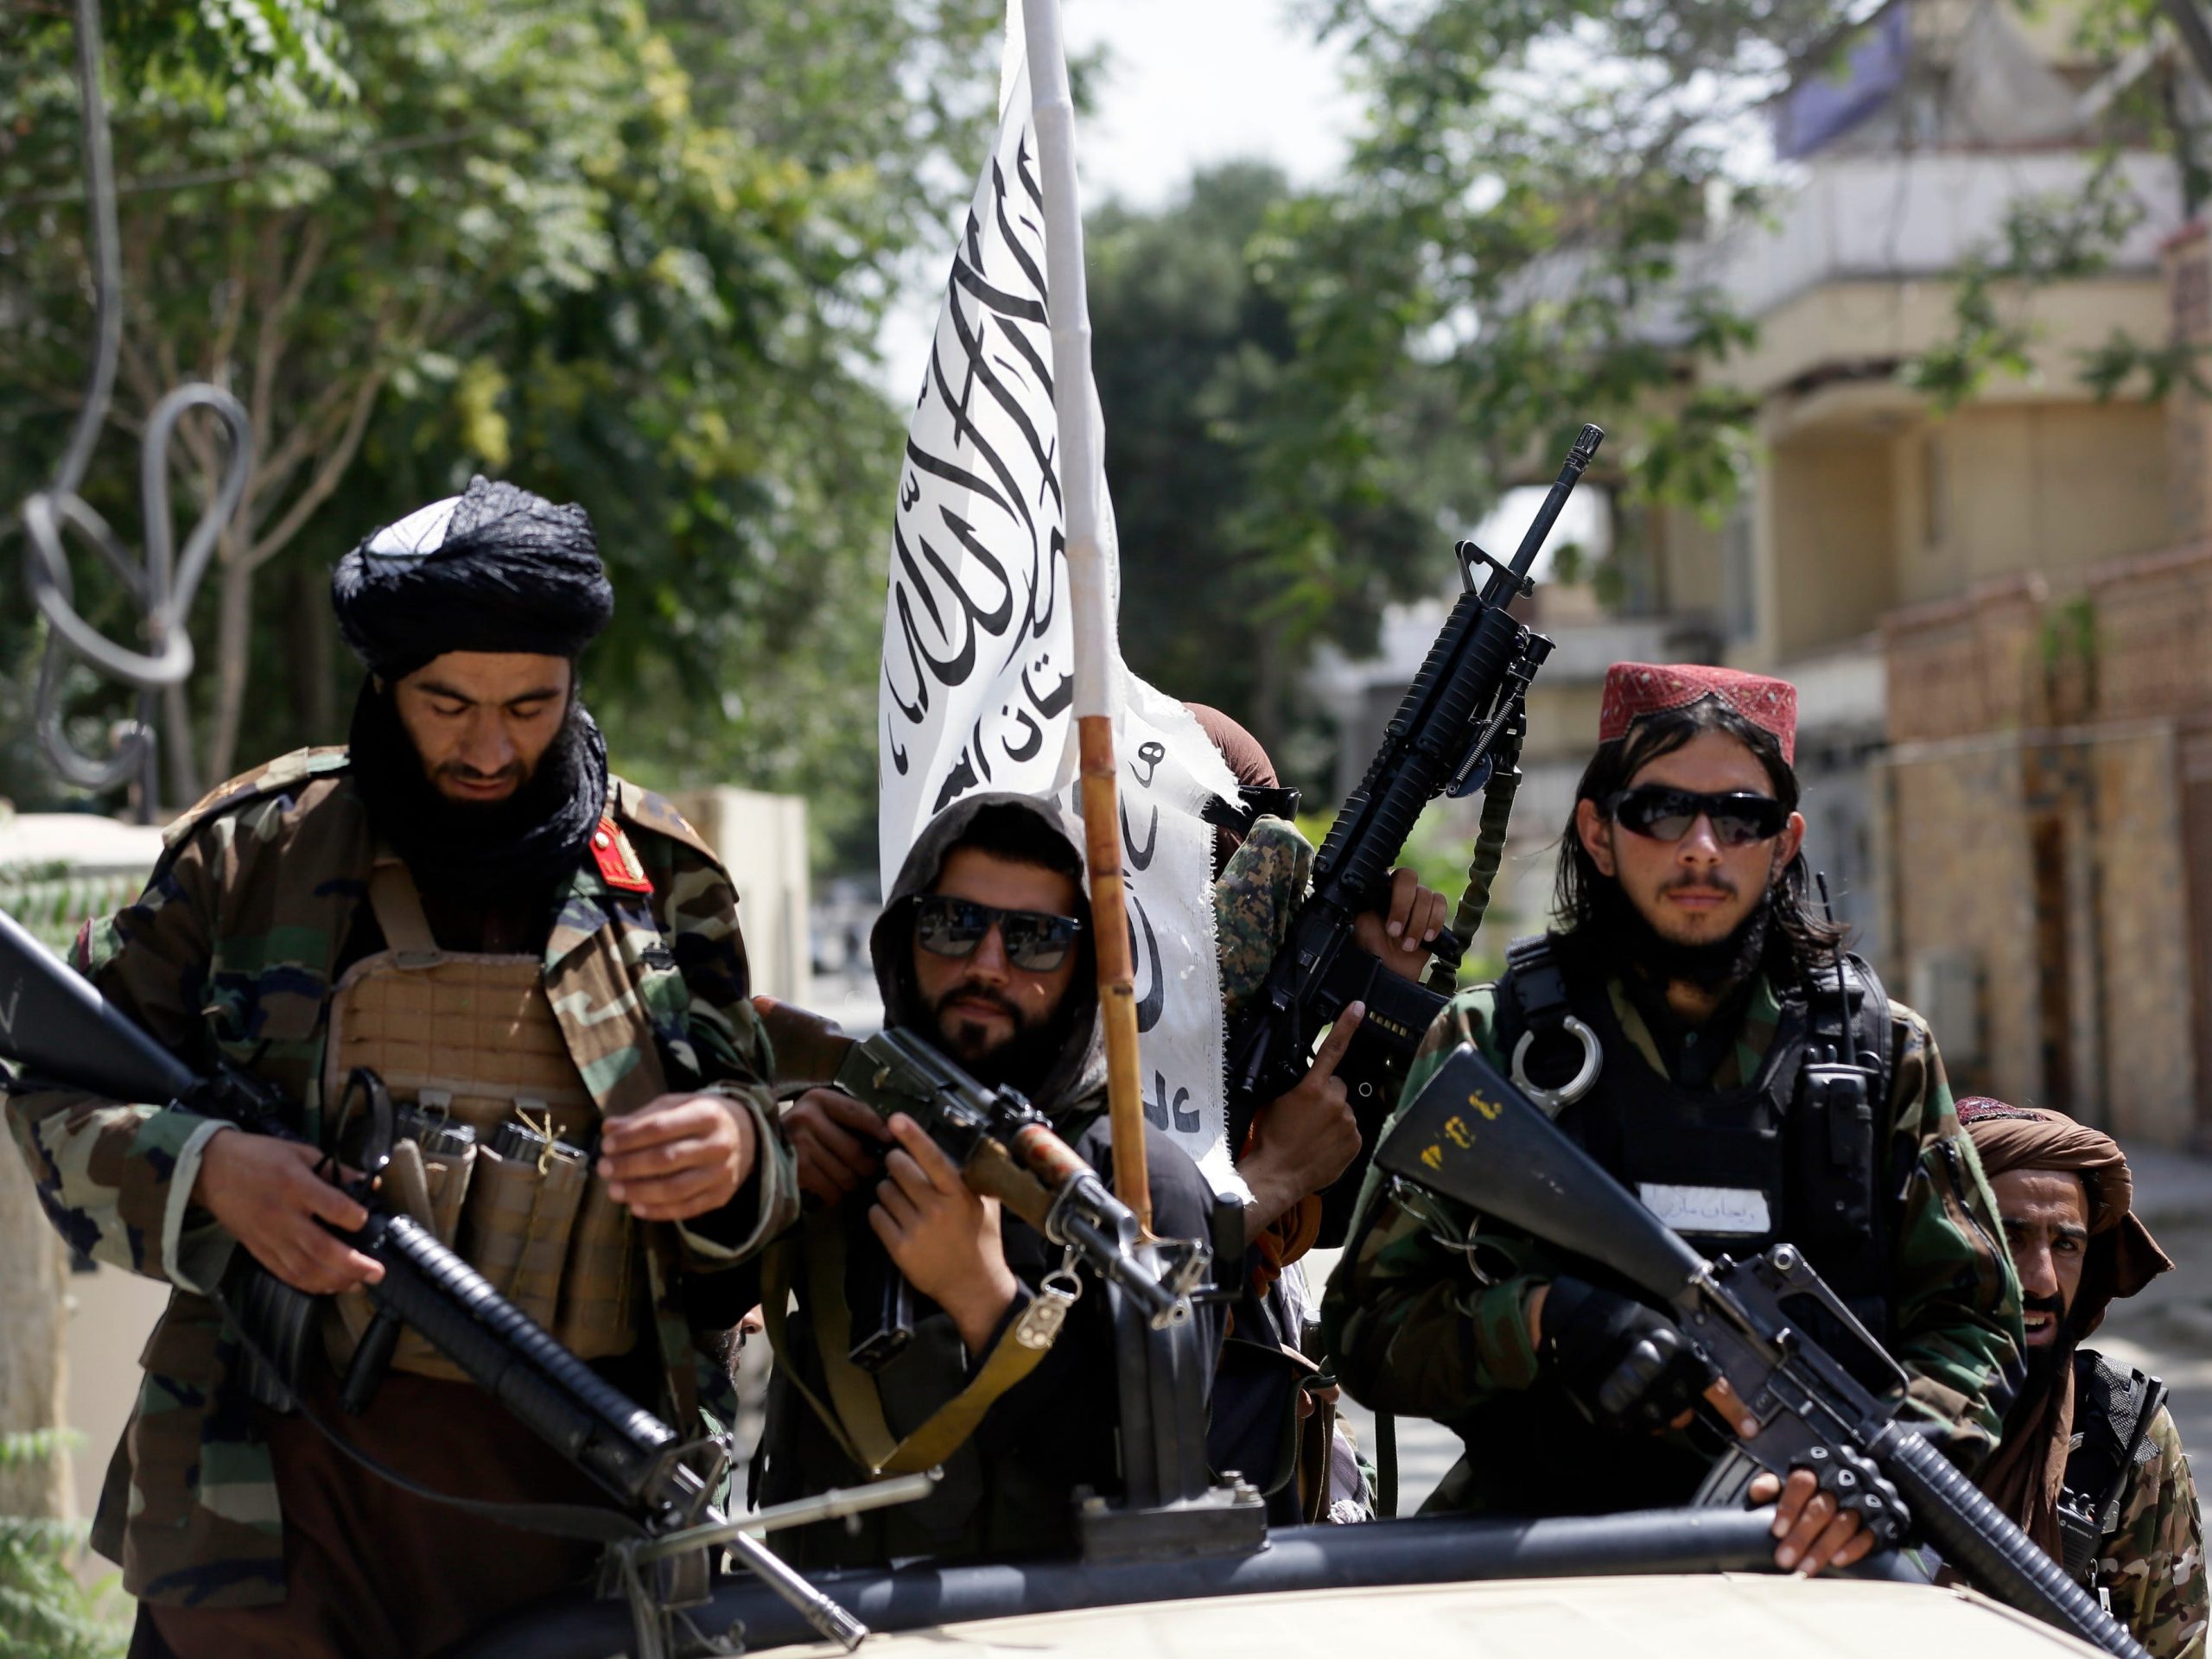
[1464,705]
[1472,1136]
[1006,1149]
[64,1033]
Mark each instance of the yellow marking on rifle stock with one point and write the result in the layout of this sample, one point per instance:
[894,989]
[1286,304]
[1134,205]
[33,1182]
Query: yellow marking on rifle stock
[1456,1130]
[1489,1109]
[1433,1156]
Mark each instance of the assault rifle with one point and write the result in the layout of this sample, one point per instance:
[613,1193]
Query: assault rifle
[1006,1149]
[1467,698]
[1472,1136]
[54,1025]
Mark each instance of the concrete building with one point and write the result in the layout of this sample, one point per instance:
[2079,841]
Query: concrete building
[1980,606]
[1991,611]
[1865,498]
[2050,799]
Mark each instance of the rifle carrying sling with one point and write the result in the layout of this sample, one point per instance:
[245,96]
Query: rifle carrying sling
[854,1412]
[470,1040]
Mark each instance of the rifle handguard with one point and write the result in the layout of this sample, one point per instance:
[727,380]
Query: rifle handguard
[1007,1149]
[1857,1485]
[1995,1556]
[991,1172]
[517,1362]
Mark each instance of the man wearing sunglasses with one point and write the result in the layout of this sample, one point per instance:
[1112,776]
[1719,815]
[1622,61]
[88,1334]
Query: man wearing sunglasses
[984,948]
[1692,1022]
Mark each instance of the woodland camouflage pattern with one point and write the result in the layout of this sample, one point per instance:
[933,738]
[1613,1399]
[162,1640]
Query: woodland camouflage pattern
[2153,1563]
[1415,1331]
[1255,898]
[229,953]
[1257,895]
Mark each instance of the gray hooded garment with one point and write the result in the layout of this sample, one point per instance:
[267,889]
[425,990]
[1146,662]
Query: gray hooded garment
[1009,1491]
[1073,1091]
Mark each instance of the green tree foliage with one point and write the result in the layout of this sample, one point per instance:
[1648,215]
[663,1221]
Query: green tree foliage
[1306,390]
[285,49]
[1226,579]
[1523,213]
[1523,241]
[2072,235]
[45,1613]
[629,252]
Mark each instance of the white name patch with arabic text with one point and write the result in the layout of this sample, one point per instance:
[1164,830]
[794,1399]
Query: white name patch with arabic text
[1707,1209]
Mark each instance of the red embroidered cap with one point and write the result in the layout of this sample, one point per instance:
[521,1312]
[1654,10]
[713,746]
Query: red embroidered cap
[1635,690]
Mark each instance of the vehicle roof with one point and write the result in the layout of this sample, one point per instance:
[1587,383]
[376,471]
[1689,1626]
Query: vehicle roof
[1702,1616]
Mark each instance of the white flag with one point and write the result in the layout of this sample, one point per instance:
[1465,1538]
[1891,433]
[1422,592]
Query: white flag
[977,652]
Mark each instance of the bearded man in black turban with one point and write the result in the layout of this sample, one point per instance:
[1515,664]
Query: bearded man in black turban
[478,763]
[542,963]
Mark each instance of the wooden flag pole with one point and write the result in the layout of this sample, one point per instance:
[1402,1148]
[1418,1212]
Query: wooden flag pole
[1091,595]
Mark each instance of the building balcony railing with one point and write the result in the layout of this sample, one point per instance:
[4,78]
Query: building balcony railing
[1898,218]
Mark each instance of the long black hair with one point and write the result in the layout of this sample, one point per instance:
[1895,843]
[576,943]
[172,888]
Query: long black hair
[1799,937]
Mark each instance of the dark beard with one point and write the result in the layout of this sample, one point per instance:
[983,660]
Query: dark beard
[499,850]
[1619,929]
[2047,1364]
[1020,1063]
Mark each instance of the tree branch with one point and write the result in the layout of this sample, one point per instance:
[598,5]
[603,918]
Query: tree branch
[331,469]
[308,434]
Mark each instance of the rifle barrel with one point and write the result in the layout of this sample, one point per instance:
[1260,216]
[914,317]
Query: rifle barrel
[1524,558]
[54,1022]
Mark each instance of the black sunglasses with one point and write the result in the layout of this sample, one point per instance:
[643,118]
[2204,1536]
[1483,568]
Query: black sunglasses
[1036,941]
[1739,818]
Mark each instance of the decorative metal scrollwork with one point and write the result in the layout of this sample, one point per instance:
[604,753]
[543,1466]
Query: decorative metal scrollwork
[163,582]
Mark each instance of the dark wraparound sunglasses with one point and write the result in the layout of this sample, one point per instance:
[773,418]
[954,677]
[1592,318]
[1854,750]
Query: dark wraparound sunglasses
[1664,814]
[1036,941]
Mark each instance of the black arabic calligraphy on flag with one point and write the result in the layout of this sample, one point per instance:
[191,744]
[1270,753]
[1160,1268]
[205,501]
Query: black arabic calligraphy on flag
[977,639]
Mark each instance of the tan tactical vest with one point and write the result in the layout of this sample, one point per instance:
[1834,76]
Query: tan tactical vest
[471,1038]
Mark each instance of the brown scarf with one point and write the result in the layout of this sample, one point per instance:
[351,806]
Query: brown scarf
[2028,1471]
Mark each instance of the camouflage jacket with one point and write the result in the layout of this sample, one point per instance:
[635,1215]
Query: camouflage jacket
[2153,1563]
[230,953]
[1416,1330]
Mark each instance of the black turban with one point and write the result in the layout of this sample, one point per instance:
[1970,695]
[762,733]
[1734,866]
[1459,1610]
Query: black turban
[495,569]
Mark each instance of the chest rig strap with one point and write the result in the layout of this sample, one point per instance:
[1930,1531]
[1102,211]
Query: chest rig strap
[397,904]
[1841,1112]
[2112,1411]
[1555,1056]
[1824,1086]
[854,1412]
[495,1160]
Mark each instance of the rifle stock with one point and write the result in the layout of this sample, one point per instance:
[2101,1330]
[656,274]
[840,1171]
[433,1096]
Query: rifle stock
[1470,1135]
[54,1023]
